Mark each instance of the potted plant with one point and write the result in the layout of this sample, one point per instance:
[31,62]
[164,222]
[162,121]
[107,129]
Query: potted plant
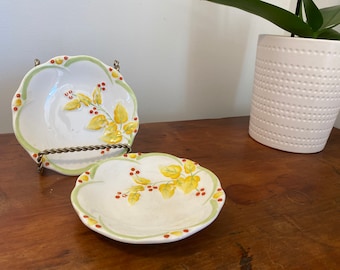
[296,90]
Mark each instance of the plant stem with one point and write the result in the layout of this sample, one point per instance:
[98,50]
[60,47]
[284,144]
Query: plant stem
[297,11]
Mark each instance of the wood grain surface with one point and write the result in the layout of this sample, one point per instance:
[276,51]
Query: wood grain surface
[282,211]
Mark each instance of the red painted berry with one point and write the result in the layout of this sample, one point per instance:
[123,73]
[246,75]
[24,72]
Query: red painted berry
[166,235]
[18,95]
[52,61]
[15,109]
[65,57]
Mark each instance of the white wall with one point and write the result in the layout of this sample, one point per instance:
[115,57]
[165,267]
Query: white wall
[185,59]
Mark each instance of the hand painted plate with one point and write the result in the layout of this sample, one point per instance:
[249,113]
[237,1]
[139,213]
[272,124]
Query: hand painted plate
[74,101]
[147,198]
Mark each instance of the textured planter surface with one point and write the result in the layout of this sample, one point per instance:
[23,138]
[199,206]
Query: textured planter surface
[296,94]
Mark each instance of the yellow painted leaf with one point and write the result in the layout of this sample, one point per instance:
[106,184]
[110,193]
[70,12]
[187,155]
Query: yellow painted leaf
[84,99]
[97,96]
[141,180]
[59,61]
[133,198]
[172,171]
[84,177]
[130,127]
[91,221]
[17,102]
[177,233]
[135,189]
[167,190]
[217,194]
[97,122]
[72,105]
[111,127]
[115,74]
[112,137]
[188,184]
[189,166]
[120,114]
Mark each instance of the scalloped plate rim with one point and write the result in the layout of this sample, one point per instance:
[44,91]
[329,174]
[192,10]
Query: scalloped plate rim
[20,98]
[98,225]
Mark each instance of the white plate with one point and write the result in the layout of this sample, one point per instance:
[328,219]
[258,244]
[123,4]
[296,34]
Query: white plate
[147,198]
[74,101]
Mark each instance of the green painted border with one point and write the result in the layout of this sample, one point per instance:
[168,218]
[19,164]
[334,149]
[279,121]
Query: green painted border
[66,63]
[74,59]
[215,209]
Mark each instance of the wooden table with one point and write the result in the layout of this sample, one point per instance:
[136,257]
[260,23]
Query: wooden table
[282,212]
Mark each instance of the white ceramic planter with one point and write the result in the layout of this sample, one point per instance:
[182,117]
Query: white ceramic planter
[296,93]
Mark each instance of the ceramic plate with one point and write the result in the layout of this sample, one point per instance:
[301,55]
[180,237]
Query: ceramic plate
[147,198]
[74,101]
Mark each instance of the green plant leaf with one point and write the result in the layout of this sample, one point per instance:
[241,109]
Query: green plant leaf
[313,15]
[331,16]
[280,17]
[329,34]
